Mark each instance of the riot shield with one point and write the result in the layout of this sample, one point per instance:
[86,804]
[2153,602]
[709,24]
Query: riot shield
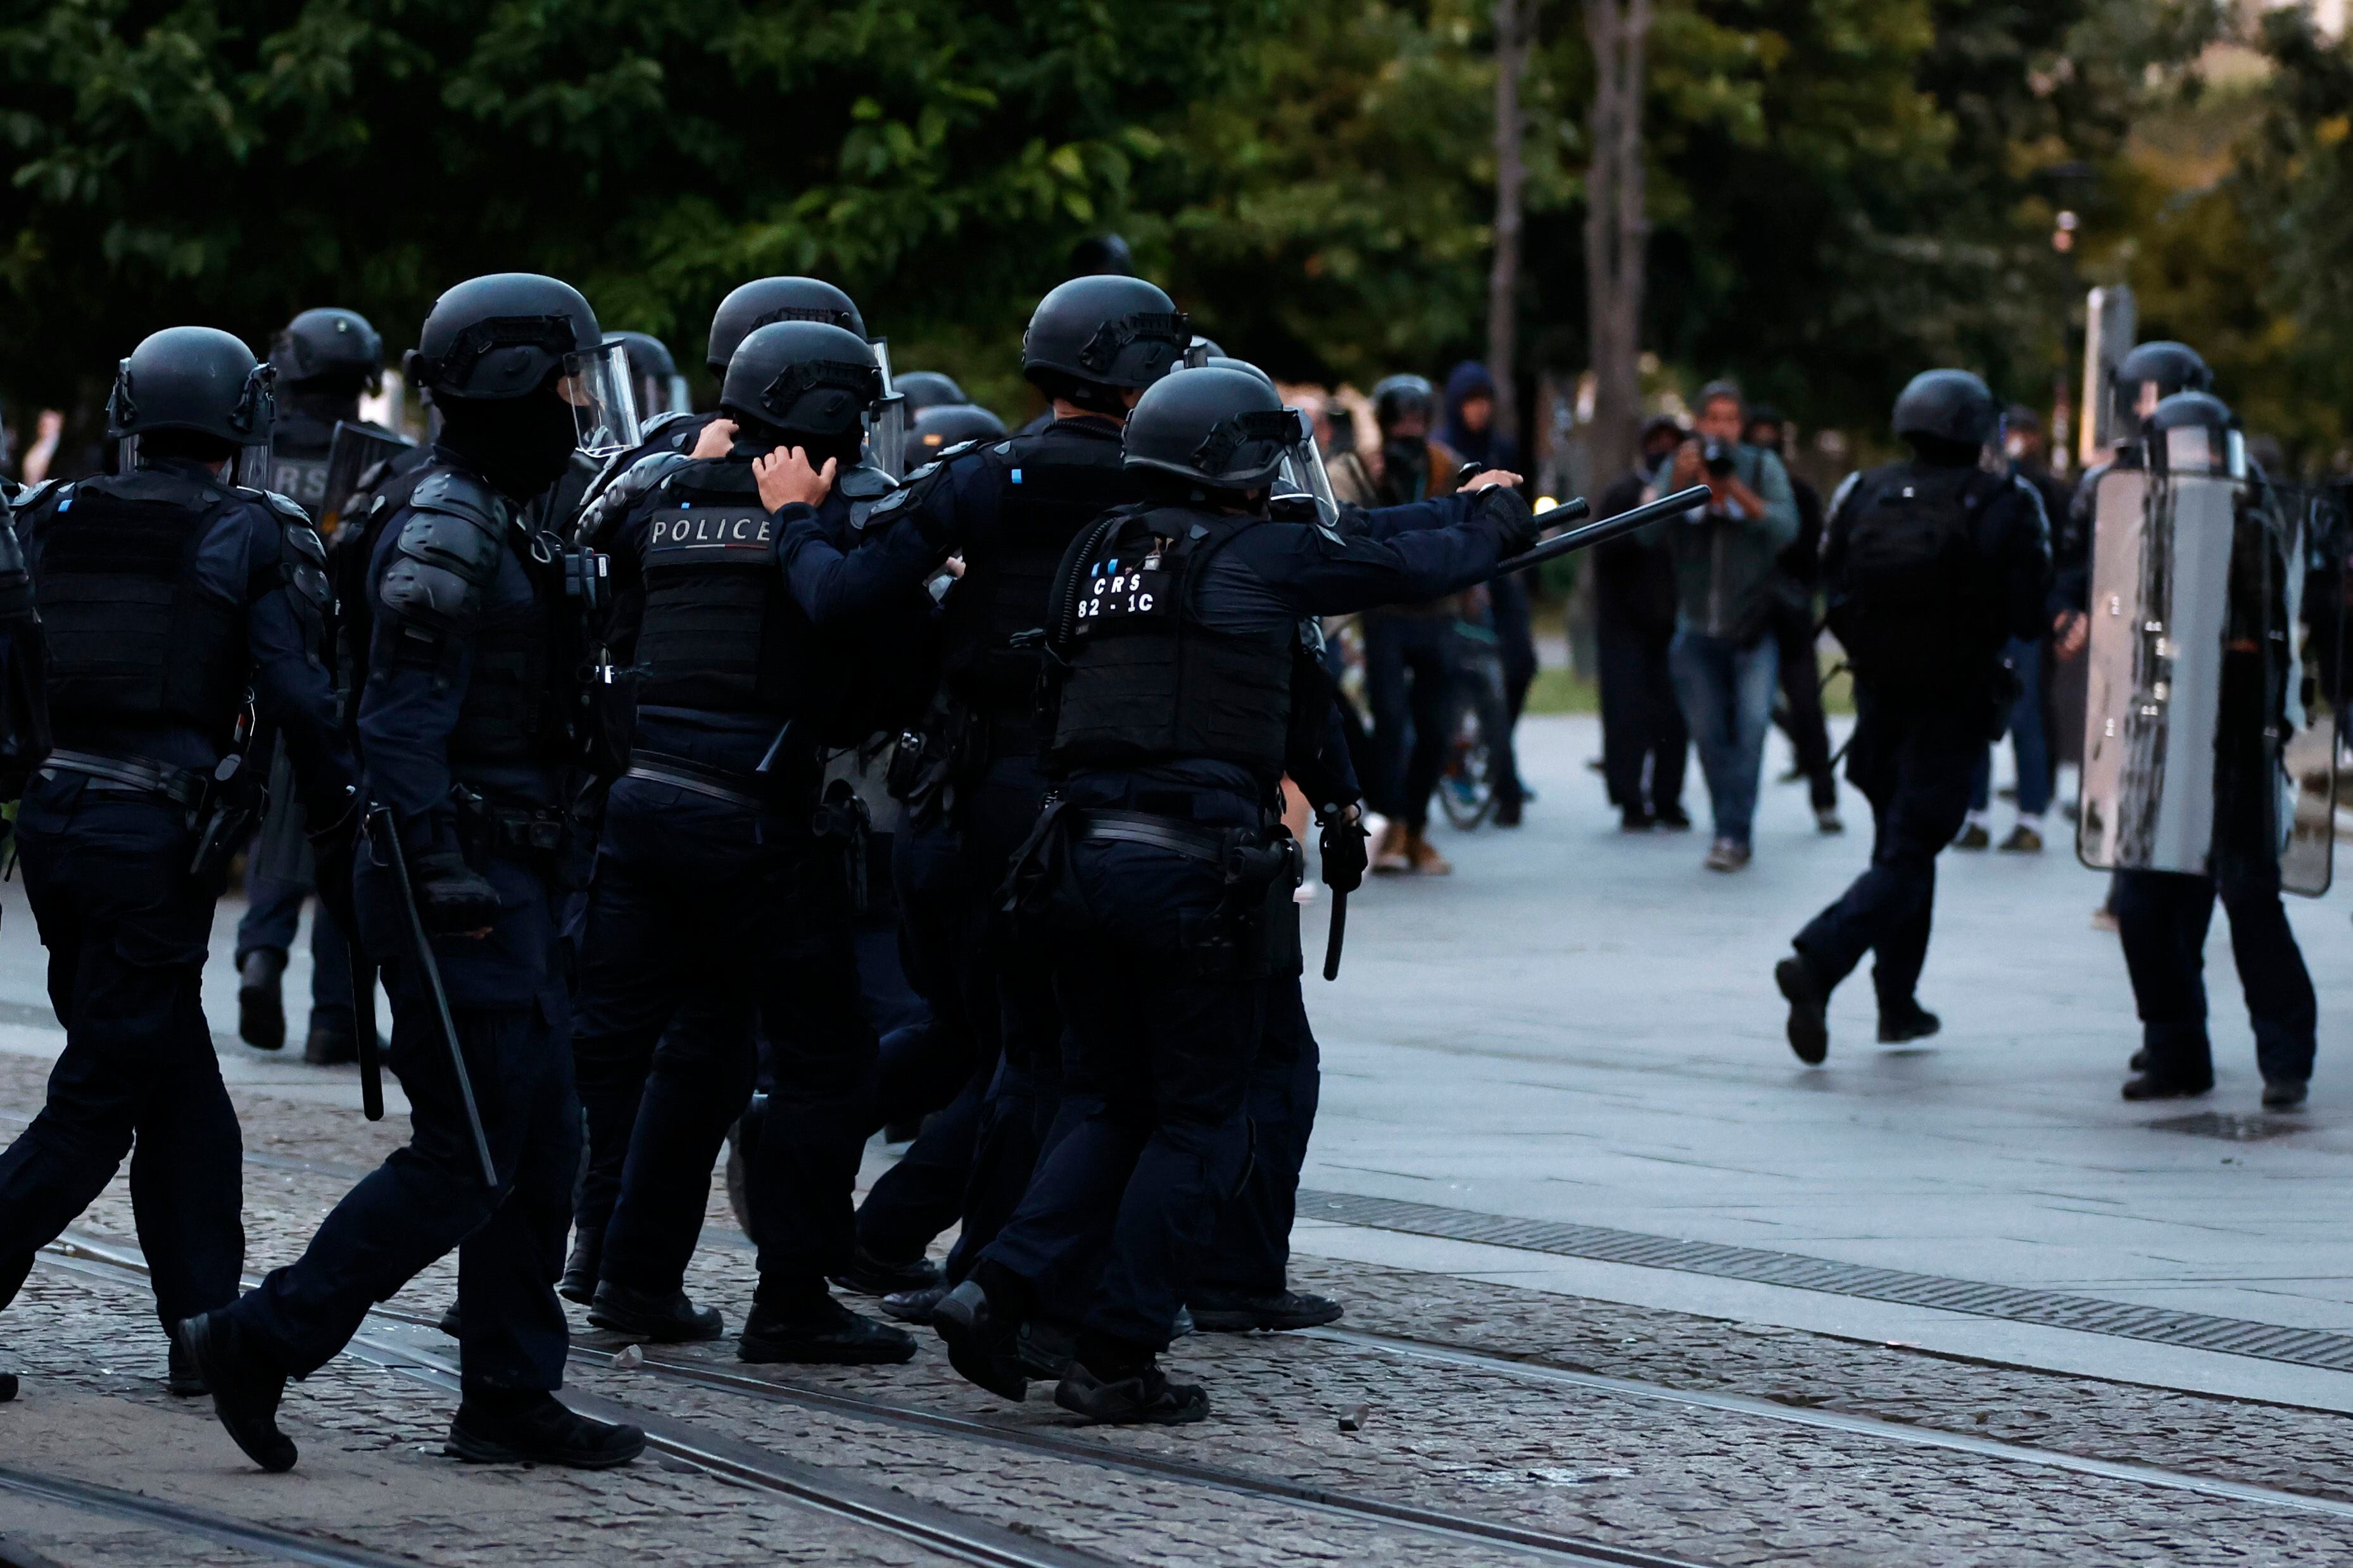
[886,422]
[302,480]
[2159,602]
[2313,710]
[354,449]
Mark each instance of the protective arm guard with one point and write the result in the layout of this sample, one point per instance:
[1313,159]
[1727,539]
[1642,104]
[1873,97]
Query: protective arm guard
[442,565]
[608,504]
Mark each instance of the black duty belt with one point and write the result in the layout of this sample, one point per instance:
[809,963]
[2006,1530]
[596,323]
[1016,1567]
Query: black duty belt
[1212,844]
[683,773]
[182,786]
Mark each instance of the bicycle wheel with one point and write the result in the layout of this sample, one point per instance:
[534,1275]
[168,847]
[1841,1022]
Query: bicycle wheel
[1466,792]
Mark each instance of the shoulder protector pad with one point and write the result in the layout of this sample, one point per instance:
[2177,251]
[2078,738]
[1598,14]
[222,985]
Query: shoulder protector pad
[1846,488]
[865,482]
[460,494]
[443,561]
[32,496]
[284,506]
[607,506]
[665,426]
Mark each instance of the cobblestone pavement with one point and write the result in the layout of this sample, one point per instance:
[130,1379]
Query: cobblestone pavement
[1707,1486]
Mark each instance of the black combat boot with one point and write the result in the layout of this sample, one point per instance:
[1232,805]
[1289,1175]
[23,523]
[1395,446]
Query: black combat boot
[1911,1022]
[261,1003]
[671,1319]
[245,1389]
[803,1324]
[1118,1385]
[913,1306]
[180,1377]
[982,1344]
[2152,1086]
[333,1039]
[1233,1313]
[531,1425]
[580,1270]
[869,1275]
[1809,1006]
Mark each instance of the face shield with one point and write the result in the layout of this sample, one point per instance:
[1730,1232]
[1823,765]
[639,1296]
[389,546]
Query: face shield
[660,395]
[1302,471]
[886,420]
[597,383]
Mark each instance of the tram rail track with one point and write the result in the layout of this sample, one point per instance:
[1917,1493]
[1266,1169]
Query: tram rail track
[936,1529]
[180,1519]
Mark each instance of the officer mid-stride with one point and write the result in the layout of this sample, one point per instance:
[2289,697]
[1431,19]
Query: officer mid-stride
[1154,876]
[1932,565]
[468,711]
[166,593]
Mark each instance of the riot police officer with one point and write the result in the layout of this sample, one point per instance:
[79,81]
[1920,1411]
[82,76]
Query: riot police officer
[1931,566]
[470,718]
[324,359]
[165,592]
[970,777]
[1174,623]
[678,428]
[2148,374]
[710,886]
[2207,518]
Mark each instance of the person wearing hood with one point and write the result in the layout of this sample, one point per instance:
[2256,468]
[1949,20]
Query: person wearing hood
[1470,429]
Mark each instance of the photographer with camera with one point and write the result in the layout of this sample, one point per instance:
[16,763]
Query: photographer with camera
[1723,657]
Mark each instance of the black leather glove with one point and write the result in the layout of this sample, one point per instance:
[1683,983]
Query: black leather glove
[452,897]
[1342,845]
[1507,512]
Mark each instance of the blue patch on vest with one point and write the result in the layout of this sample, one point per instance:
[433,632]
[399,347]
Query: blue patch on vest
[1017,476]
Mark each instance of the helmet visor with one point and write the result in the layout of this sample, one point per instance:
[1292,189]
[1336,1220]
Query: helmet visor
[598,385]
[886,420]
[1302,471]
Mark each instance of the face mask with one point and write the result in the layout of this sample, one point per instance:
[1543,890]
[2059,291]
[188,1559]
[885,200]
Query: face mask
[522,444]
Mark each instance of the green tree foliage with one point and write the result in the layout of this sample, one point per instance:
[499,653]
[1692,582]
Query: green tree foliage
[234,160]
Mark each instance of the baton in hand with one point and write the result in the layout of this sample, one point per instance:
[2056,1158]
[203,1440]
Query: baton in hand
[363,1040]
[1601,533]
[398,859]
[1337,936]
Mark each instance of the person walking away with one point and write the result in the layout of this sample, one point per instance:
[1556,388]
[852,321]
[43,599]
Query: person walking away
[1796,584]
[1409,664]
[1644,743]
[1469,430]
[1931,566]
[1722,655]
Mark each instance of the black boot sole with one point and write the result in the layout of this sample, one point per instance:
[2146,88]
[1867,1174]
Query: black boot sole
[1212,1321]
[1154,1416]
[656,1330]
[578,1290]
[1809,1030]
[260,1025]
[476,1450]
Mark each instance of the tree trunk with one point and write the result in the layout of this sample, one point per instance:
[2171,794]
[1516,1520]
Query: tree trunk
[1616,232]
[1511,184]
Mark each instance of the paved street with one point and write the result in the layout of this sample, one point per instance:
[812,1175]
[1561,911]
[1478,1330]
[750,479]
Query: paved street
[1577,1031]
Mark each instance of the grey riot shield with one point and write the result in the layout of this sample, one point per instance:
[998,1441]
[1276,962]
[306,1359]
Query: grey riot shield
[2160,604]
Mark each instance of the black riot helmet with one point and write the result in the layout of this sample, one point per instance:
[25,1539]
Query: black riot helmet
[2194,432]
[195,379]
[2152,373]
[1951,406]
[1093,337]
[506,338]
[1396,396]
[653,374]
[1103,256]
[1303,473]
[1227,361]
[334,347]
[806,379]
[927,389]
[766,300]
[1221,429]
[943,424]
[501,336]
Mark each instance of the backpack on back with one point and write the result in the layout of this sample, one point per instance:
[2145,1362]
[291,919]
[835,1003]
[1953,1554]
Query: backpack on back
[1905,605]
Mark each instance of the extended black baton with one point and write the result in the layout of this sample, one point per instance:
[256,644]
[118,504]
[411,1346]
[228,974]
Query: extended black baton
[425,962]
[1601,533]
[363,1040]
[1337,936]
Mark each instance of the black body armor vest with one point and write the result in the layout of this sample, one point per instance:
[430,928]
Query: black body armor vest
[714,633]
[1148,679]
[132,637]
[1057,483]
